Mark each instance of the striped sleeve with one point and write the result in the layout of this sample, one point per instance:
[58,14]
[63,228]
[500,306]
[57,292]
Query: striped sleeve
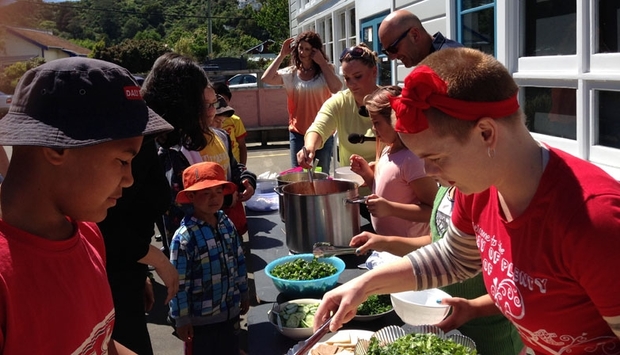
[451,259]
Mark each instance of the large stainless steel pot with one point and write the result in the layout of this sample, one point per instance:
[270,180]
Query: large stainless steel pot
[323,211]
[286,179]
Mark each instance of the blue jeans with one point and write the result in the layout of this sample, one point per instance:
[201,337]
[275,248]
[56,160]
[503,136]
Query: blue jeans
[324,155]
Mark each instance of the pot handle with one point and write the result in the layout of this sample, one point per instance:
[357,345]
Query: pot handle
[356,200]
[278,190]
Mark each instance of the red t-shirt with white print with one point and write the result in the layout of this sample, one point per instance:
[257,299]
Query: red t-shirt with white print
[553,271]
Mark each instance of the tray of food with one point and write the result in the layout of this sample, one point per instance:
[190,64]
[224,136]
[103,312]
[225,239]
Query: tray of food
[342,342]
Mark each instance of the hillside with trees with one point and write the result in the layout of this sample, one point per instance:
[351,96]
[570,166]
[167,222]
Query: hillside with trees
[133,33]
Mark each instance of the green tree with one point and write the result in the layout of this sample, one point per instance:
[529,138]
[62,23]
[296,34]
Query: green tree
[11,74]
[272,15]
[137,56]
[132,27]
[184,46]
[150,34]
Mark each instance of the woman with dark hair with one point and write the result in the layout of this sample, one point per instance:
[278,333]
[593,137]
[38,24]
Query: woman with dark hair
[344,112]
[174,89]
[309,81]
[178,90]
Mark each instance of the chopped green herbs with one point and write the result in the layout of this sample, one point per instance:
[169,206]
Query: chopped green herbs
[375,304]
[301,270]
[418,344]
[296,315]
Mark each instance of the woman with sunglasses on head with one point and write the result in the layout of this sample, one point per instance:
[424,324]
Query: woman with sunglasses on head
[344,112]
[309,81]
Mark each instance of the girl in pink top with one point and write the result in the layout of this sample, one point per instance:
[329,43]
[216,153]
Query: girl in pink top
[403,195]
[309,81]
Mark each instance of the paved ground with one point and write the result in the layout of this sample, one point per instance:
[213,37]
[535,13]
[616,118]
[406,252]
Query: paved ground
[273,158]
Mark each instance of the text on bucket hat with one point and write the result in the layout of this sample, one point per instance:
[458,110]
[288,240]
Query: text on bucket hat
[425,89]
[202,176]
[223,108]
[76,102]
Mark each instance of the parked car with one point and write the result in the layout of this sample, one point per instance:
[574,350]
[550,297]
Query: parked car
[139,79]
[5,103]
[248,80]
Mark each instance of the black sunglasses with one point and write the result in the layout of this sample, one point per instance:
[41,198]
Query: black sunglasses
[354,52]
[391,49]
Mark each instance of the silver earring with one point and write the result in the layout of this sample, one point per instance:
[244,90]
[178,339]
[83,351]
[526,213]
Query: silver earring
[491,152]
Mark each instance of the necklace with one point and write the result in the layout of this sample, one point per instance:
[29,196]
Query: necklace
[304,70]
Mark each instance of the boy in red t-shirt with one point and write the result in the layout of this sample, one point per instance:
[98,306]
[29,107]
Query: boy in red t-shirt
[75,125]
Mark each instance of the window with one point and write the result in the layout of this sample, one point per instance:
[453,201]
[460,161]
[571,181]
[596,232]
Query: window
[370,36]
[608,122]
[569,54]
[476,24]
[352,27]
[550,27]
[324,29]
[328,41]
[320,29]
[346,37]
[608,31]
[551,111]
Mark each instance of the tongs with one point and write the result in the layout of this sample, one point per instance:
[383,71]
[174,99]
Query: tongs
[314,338]
[325,250]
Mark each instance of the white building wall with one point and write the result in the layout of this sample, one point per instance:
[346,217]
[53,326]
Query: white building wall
[54,53]
[587,72]
[17,46]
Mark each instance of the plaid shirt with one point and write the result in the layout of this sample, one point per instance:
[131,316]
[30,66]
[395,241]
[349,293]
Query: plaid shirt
[212,272]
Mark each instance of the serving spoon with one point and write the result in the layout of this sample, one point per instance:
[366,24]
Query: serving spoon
[310,170]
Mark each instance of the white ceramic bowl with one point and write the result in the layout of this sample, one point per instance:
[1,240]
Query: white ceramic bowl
[420,307]
[293,333]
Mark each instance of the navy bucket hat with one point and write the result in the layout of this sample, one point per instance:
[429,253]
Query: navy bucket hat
[77,102]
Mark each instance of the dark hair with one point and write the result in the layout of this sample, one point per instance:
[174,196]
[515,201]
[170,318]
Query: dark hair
[315,41]
[222,89]
[175,90]
[360,52]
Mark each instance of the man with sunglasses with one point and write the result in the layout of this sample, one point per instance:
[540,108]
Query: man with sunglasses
[408,40]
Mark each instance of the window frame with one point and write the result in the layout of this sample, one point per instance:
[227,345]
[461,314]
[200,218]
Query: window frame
[586,71]
[459,20]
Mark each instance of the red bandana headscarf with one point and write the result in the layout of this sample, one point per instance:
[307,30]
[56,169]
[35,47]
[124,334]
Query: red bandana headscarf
[425,89]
